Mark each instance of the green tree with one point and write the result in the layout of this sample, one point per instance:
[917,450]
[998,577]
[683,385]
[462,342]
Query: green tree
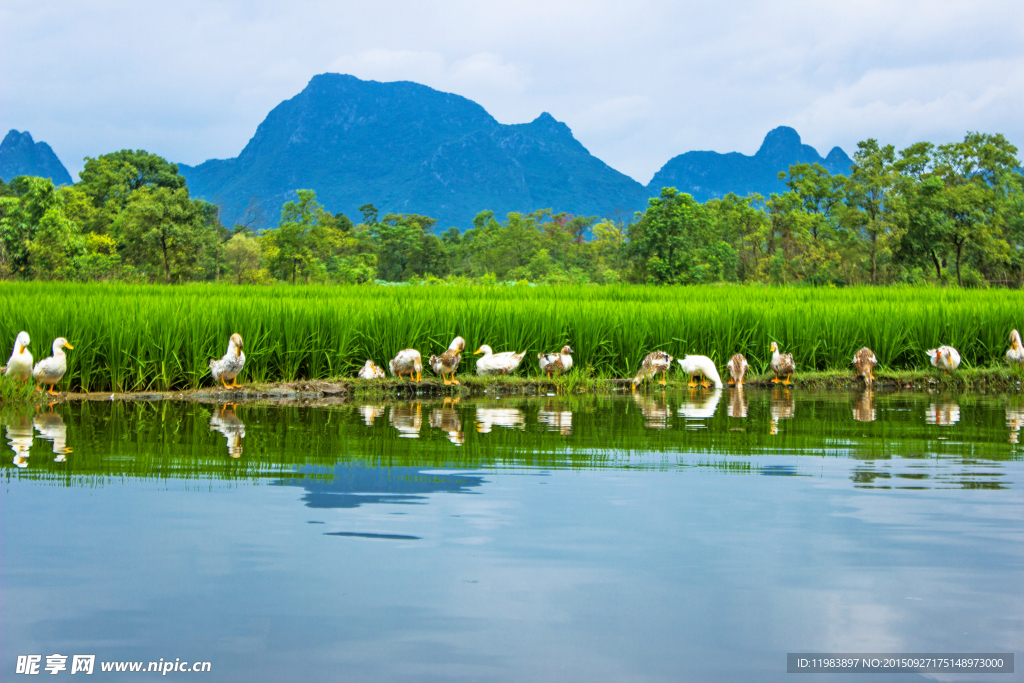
[163,231]
[110,179]
[304,239]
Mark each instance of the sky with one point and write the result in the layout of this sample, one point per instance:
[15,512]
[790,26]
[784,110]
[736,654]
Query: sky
[637,82]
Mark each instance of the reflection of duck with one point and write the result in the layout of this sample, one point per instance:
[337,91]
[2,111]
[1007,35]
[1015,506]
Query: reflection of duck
[447,420]
[655,411]
[486,418]
[1014,420]
[700,406]
[864,407]
[556,420]
[943,414]
[370,413]
[737,402]
[52,428]
[19,436]
[407,419]
[227,423]
[782,408]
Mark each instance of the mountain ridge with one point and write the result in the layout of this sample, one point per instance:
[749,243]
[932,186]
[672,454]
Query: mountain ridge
[21,155]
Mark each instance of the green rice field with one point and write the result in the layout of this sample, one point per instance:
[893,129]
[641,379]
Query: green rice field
[139,337]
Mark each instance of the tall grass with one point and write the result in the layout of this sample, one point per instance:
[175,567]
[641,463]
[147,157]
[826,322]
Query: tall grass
[136,337]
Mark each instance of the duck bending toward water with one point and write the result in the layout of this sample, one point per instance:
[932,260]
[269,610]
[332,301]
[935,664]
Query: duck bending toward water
[230,366]
[51,370]
[655,362]
[865,362]
[737,367]
[408,361]
[703,366]
[19,365]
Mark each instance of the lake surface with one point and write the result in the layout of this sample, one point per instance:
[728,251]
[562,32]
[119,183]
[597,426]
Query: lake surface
[663,537]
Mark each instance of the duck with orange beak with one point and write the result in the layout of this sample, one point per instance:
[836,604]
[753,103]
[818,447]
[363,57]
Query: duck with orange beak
[51,370]
[230,366]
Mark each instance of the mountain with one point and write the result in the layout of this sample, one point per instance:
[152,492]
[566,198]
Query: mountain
[19,155]
[408,148]
[706,175]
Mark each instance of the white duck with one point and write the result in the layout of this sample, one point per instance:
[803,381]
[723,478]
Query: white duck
[555,363]
[1014,356]
[51,370]
[407,361]
[492,363]
[703,366]
[945,358]
[371,371]
[19,365]
[229,367]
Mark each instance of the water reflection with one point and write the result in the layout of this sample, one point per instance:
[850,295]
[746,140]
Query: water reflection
[19,436]
[371,413]
[227,423]
[782,407]
[699,406]
[447,420]
[52,428]
[864,407]
[944,414]
[407,419]
[1014,420]
[737,403]
[554,419]
[655,410]
[488,418]
[352,486]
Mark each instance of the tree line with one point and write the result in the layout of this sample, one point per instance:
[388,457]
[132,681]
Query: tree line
[941,214]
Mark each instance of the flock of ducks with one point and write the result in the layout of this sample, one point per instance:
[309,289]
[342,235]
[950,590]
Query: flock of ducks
[409,362]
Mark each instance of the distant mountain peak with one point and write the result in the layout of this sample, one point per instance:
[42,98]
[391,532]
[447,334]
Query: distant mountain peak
[778,139]
[21,155]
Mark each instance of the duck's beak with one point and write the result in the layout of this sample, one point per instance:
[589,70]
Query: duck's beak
[238,350]
[23,349]
[67,345]
[478,351]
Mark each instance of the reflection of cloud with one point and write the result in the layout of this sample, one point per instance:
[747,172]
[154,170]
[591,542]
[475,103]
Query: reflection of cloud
[864,407]
[654,409]
[227,423]
[356,485]
[943,414]
[407,419]
[488,418]
[859,627]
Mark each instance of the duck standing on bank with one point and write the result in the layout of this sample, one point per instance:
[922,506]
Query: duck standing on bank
[448,362]
[703,366]
[492,363]
[230,366]
[555,363]
[19,365]
[865,362]
[371,371]
[945,358]
[1015,355]
[51,370]
[655,362]
[782,364]
[737,367]
[407,361]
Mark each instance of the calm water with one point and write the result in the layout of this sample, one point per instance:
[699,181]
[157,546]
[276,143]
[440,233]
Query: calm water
[666,537]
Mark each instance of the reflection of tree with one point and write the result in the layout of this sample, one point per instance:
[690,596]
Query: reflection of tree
[943,414]
[654,409]
[407,419]
[227,423]
[864,407]
[782,408]
[487,418]
[737,403]
[52,428]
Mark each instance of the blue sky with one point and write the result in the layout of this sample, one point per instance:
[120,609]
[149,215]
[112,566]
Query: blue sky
[637,82]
